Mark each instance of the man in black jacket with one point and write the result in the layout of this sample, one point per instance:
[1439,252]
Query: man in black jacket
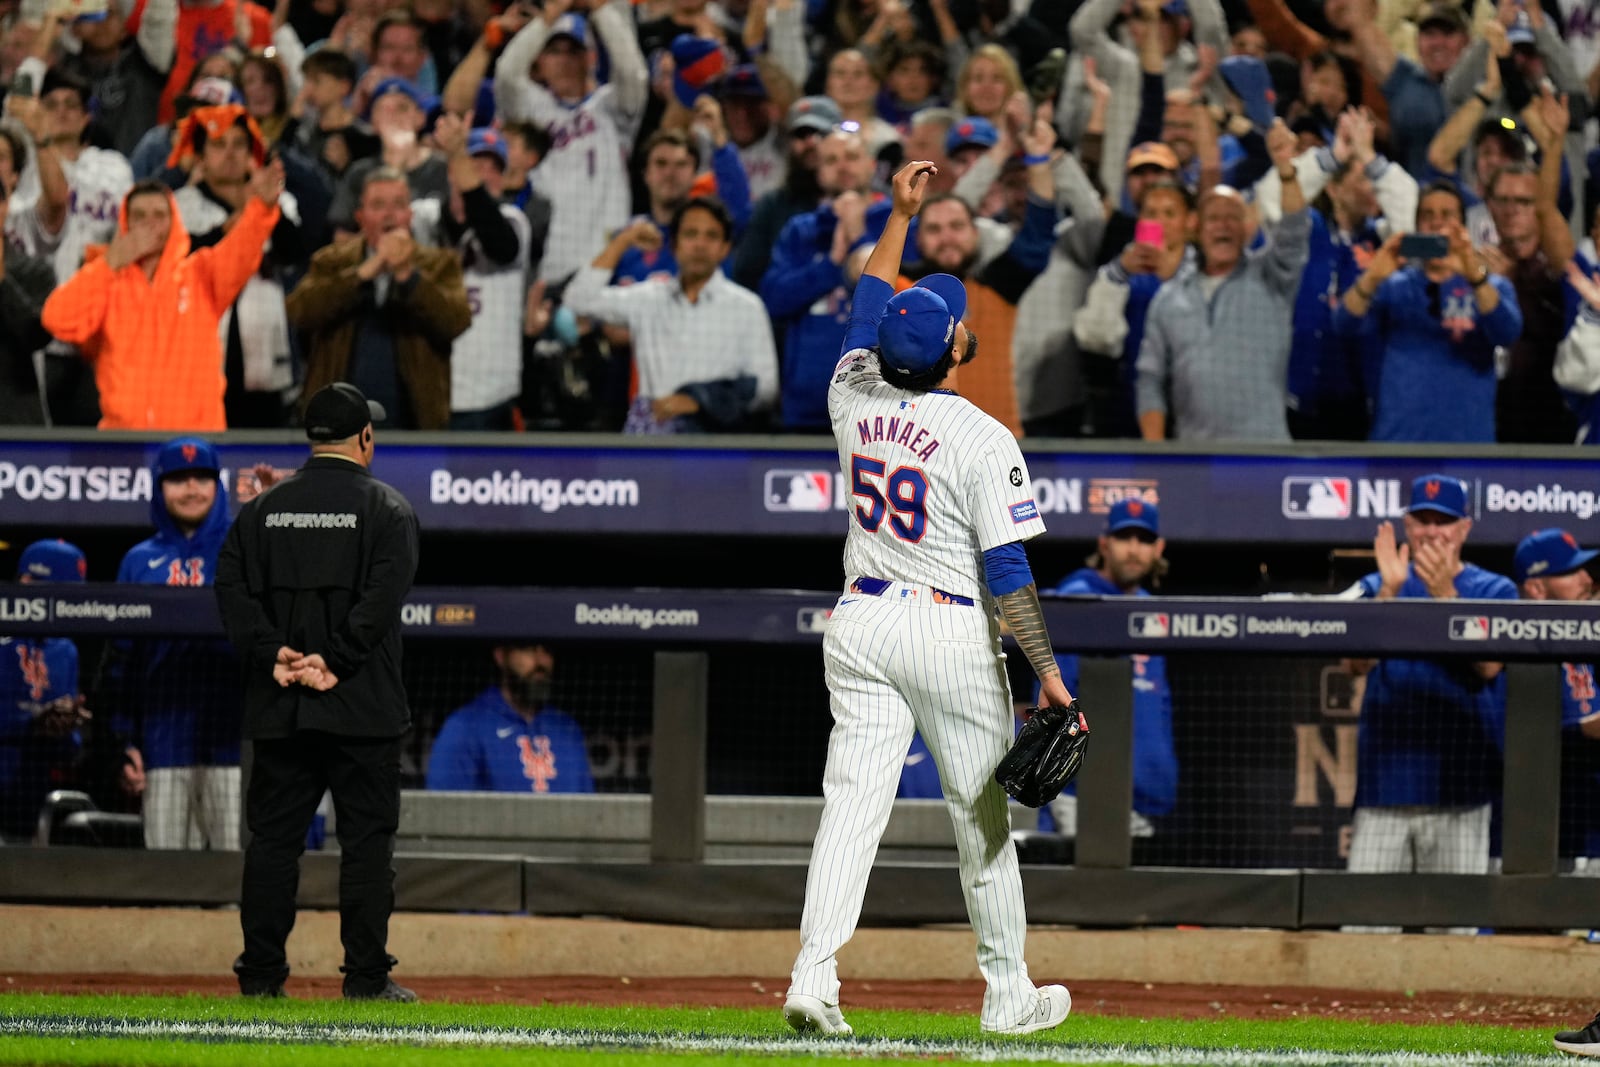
[310,583]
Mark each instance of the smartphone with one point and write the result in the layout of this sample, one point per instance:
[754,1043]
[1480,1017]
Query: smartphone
[1045,80]
[1424,246]
[1150,232]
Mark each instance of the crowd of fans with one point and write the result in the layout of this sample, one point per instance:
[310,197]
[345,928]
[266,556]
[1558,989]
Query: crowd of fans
[1204,219]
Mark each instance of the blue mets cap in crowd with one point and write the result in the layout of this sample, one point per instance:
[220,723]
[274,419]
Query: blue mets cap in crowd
[975,130]
[744,80]
[426,101]
[1251,82]
[1521,30]
[920,322]
[1134,514]
[187,454]
[1550,553]
[1441,493]
[698,64]
[571,24]
[486,141]
[52,561]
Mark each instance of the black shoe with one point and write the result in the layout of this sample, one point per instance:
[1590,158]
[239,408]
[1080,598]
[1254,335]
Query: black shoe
[390,991]
[1585,1042]
[266,983]
[265,992]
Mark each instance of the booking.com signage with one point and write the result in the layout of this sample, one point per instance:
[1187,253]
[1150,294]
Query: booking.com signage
[57,485]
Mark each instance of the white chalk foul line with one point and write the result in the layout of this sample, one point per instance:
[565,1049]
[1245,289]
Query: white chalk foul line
[217,1031]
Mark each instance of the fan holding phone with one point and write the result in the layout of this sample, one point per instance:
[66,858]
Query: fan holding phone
[1430,314]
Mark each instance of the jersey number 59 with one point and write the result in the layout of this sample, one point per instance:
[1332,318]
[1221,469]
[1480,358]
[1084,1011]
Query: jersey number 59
[905,491]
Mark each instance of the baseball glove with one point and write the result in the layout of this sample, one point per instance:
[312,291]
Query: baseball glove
[1046,754]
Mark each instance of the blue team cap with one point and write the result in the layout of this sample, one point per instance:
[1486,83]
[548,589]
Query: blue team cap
[52,561]
[975,130]
[1441,493]
[426,101]
[1550,553]
[744,80]
[1251,82]
[1134,514]
[919,323]
[486,141]
[571,24]
[186,454]
[698,67]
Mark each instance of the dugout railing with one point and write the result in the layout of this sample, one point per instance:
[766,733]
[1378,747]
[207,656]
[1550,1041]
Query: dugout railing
[681,855]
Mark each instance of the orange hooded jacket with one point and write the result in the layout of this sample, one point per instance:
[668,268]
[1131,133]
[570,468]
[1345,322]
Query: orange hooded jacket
[153,341]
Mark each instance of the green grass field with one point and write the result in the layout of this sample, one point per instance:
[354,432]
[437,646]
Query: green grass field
[101,1031]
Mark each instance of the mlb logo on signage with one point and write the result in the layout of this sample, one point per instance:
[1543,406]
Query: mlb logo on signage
[1148,624]
[1316,498]
[812,620]
[1469,627]
[791,490]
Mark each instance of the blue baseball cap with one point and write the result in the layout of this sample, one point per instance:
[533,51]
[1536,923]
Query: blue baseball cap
[1251,82]
[487,141]
[1441,493]
[1176,8]
[52,561]
[698,64]
[744,80]
[1550,553]
[975,130]
[571,24]
[186,454]
[426,101]
[1134,514]
[1521,30]
[919,323]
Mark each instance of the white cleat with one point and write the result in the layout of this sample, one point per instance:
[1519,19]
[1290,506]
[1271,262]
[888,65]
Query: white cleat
[809,1015]
[1051,1010]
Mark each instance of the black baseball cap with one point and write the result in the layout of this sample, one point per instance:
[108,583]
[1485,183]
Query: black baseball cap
[340,410]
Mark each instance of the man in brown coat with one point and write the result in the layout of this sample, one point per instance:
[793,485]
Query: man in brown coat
[381,312]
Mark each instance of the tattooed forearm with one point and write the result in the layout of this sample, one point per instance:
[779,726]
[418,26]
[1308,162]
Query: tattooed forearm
[1025,617]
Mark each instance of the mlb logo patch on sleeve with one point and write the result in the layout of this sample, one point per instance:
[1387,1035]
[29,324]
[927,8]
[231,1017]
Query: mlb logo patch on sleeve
[1023,511]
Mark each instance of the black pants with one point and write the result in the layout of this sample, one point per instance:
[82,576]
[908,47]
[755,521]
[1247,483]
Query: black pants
[287,780]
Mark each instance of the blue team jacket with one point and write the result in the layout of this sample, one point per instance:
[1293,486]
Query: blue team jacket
[919,777]
[1431,731]
[1155,761]
[33,673]
[1580,763]
[487,745]
[805,294]
[1325,368]
[177,699]
[1142,289]
[1433,375]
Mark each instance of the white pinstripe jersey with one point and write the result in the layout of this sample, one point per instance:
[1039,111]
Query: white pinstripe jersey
[486,361]
[935,481]
[585,176]
[96,183]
